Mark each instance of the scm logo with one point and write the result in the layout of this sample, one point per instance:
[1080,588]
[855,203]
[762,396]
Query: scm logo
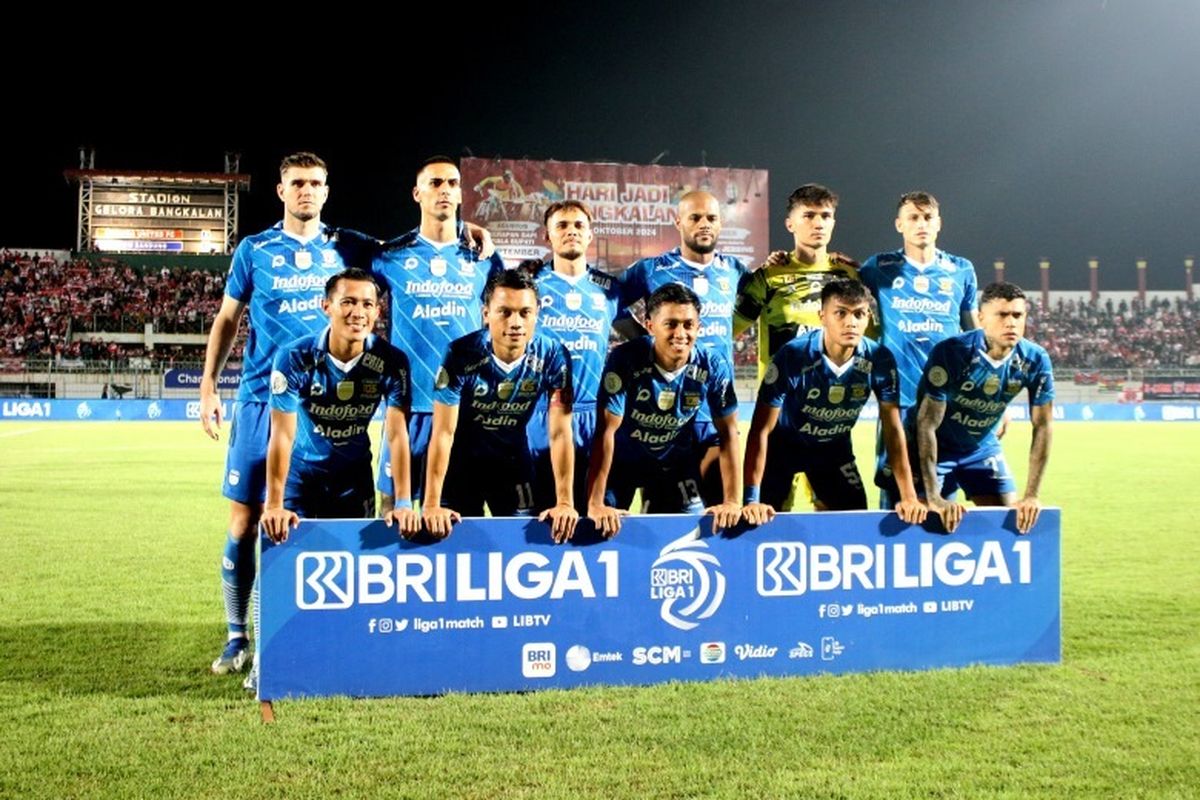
[658,655]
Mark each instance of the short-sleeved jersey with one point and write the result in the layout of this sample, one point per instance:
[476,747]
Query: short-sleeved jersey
[495,402]
[579,312]
[976,389]
[658,408]
[819,403]
[786,299]
[716,284]
[436,296]
[918,308]
[282,282]
[335,406]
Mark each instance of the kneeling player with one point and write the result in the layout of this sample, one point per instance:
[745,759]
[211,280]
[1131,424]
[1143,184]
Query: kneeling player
[811,396]
[324,390]
[968,382]
[652,391]
[484,395]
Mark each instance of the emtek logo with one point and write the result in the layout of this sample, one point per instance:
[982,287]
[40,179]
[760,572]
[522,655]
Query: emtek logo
[324,580]
[538,660]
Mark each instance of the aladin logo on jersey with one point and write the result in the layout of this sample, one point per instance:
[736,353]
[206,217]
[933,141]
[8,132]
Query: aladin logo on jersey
[687,578]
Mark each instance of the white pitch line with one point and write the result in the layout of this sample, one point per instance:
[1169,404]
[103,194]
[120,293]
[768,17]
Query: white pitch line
[6,434]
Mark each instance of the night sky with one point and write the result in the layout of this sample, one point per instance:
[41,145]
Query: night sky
[1064,130]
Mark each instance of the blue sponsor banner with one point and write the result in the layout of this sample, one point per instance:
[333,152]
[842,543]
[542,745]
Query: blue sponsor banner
[229,379]
[348,608]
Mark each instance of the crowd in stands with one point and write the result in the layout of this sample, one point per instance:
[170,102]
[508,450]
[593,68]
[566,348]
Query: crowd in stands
[1107,335]
[49,308]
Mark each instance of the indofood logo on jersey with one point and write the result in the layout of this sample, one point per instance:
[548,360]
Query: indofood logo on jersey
[921,305]
[687,578]
[292,283]
[327,580]
[790,569]
[572,324]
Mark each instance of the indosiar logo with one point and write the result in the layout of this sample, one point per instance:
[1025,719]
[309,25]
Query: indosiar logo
[324,580]
[688,580]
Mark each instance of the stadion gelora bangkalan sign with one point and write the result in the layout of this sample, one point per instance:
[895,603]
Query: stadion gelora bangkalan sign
[633,206]
[350,609]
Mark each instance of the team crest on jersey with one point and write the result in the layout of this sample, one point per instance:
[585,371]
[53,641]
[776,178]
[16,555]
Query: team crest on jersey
[467,268]
[278,261]
[612,383]
[837,393]
[442,380]
[345,390]
[813,393]
[898,283]
[946,285]
[303,259]
[481,388]
[772,374]
[574,301]
[329,258]
[411,262]
[691,399]
[991,385]
[858,392]
[666,399]
[505,389]
[921,284]
[278,382]
[438,267]
[369,390]
[938,376]
[528,386]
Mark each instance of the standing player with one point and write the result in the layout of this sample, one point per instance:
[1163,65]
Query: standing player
[578,304]
[714,278]
[324,390]
[484,396]
[967,384]
[280,274]
[435,281]
[810,399]
[784,296]
[924,295]
[653,389]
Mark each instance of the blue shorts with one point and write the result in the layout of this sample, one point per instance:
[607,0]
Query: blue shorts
[342,493]
[502,482]
[583,423]
[983,472]
[670,488]
[246,461]
[420,425]
[829,466]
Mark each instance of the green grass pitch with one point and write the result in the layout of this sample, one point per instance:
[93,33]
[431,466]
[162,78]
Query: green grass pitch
[110,613]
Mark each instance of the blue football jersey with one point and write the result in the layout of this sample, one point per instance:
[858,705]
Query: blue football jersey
[334,407]
[658,408]
[819,403]
[918,308]
[716,285]
[282,282]
[579,312]
[495,402]
[436,296]
[976,389]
